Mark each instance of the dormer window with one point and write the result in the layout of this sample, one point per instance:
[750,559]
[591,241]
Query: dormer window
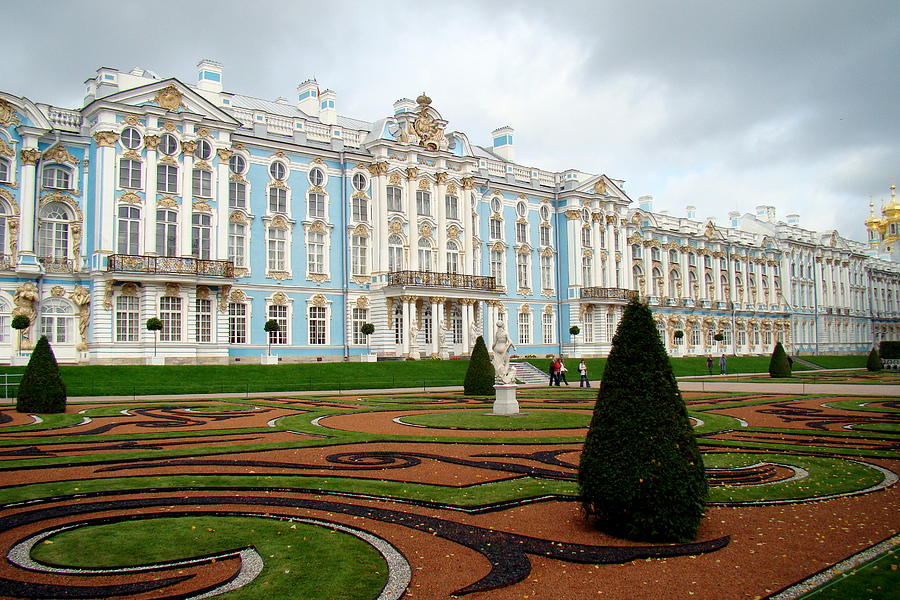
[168,144]
[131,138]
[57,177]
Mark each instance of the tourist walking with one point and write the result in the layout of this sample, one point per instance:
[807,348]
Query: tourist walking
[554,371]
[709,363]
[561,374]
[722,365]
[582,372]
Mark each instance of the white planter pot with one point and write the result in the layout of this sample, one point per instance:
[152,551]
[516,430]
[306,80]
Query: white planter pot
[368,358]
[156,360]
[266,359]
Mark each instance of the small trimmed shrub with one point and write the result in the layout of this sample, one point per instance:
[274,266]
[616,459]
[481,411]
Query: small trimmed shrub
[719,337]
[678,334]
[479,379]
[42,390]
[154,325]
[20,322]
[574,330]
[641,474]
[873,363]
[271,326]
[779,364]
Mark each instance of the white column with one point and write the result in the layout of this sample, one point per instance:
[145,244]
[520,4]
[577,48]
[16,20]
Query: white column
[437,313]
[151,142]
[106,188]
[439,210]
[465,211]
[220,251]
[380,218]
[27,221]
[412,219]
[465,310]
[187,198]
[407,323]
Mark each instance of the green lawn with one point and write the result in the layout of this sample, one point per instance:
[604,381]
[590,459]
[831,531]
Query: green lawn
[878,579]
[477,419]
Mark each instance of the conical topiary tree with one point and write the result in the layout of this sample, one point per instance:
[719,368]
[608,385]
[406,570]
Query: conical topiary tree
[42,389]
[641,475]
[779,365]
[873,363]
[480,375]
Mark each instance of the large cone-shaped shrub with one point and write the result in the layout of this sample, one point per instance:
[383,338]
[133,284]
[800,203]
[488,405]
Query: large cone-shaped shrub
[873,363]
[779,365]
[42,389]
[641,475]
[480,376]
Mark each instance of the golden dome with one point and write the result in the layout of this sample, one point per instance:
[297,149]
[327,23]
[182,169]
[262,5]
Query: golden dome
[872,222]
[891,212]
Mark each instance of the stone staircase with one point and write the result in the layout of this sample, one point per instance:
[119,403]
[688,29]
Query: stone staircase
[807,363]
[529,374]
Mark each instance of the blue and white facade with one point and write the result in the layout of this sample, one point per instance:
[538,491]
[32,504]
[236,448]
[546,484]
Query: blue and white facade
[216,212]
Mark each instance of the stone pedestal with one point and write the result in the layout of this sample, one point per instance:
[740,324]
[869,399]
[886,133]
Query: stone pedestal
[505,402]
[368,358]
[156,360]
[19,360]
[268,359]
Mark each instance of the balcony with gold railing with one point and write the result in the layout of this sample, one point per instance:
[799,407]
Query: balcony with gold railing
[443,280]
[602,293]
[170,265]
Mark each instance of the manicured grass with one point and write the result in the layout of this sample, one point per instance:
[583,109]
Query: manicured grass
[682,366]
[477,419]
[300,560]
[837,362]
[878,579]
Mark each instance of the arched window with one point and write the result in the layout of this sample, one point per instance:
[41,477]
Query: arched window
[53,231]
[57,177]
[426,255]
[522,270]
[315,252]
[674,279]
[673,256]
[456,324]
[452,257]
[587,269]
[5,310]
[4,212]
[395,253]
[692,281]
[637,273]
[655,253]
[678,341]
[56,320]
[657,281]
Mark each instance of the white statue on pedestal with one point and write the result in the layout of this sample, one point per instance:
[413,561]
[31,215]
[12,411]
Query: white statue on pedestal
[413,342]
[503,371]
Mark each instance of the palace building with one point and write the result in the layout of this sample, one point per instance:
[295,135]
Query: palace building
[216,212]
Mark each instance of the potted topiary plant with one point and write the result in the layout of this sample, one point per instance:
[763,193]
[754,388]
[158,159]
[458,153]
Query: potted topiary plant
[573,331]
[271,326]
[20,323]
[719,336]
[155,325]
[368,329]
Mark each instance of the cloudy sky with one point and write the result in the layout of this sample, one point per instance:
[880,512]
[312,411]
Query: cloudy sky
[721,104]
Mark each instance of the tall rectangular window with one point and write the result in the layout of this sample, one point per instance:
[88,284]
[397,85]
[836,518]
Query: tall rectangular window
[237,194]
[202,184]
[588,322]
[237,240]
[129,234]
[170,315]
[130,173]
[316,206]
[166,232]
[201,230]
[278,313]
[277,200]
[394,198]
[452,206]
[167,179]
[521,233]
[237,323]
[317,325]
[495,227]
[315,252]
[545,236]
[525,328]
[276,249]
[203,320]
[546,328]
[423,202]
[497,266]
[358,319]
[522,270]
[128,317]
[360,255]
[360,212]
[546,273]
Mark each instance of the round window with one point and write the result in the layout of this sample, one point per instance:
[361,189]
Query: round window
[545,213]
[237,164]
[521,209]
[168,144]
[277,170]
[204,150]
[316,177]
[131,138]
[495,205]
[359,182]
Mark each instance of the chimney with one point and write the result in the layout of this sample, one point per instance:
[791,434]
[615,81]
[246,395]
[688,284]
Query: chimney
[403,105]
[308,97]
[327,112]
[646,203]
[691,212]
[503,143]
[765,213]
[735,218]
[209,76]
[793,220]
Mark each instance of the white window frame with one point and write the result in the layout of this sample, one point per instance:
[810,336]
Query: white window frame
[359,251]
[128,229]
[57,321]
[451,206]
[166,231]
[56,176]
[171,313]
[523,268]
[318,331]
[316,264]
[423,203]
[277,249]
[395,253]
[203,320]
[131,174]
[358,317]
[547,328]
[282,314]
[167,179]
[201,235]
[128,319]
[394,198]
[237,244]
[201,183]
[238,323]
[524,326]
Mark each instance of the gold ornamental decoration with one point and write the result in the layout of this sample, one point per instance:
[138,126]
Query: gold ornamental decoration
[8,114]
[58,153]
[130,198]
[394,179]
[224,154]
[106,138]
[30,156]
[600,186]
[202,207]
[279,299]
[412,172]
[6,149]
[318,300]
[132,119]
[376,169]
[189,147]
[170,98]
